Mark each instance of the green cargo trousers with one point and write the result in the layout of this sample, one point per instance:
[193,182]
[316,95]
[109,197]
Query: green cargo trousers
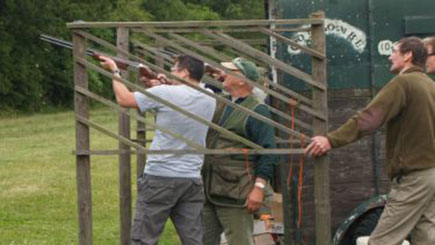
[236,223]
[410,208]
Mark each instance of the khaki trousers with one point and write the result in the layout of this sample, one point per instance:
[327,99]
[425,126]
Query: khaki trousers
[236,223]
[158,198]
[410,208]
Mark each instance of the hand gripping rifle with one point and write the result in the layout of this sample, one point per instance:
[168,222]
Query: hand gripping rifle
[144,71]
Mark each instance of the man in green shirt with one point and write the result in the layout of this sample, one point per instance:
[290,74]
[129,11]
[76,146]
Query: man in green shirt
[234,184]
[406,104]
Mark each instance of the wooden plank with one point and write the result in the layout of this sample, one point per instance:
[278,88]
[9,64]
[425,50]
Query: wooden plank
[259,55]
[286,40]
[197,46]
[225,58]
[165,41]
[230,41]
[109,133]
[124,159]
[321,164]
[211,62]
[81,106]
[226,101]
[227,30]
[170,105]
[137,117]
[212,81]
[299,97]
[252,41]
[152,50]
[266,90]
[141,136]
[154,67]
[234,151]
[202,24]
[287,212]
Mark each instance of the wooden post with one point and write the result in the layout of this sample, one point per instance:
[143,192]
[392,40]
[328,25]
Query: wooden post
[286,201]
[81,106]
[160,61]
[124,155]
[141,137]
[321,164]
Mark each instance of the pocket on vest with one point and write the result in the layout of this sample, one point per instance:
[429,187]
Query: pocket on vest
[230,182]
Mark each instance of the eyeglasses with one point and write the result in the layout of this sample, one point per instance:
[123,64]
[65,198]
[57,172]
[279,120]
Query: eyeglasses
[174,68]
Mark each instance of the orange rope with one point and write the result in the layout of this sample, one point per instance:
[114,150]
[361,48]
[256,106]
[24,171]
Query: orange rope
[292,105]
[290,171]
[300,183]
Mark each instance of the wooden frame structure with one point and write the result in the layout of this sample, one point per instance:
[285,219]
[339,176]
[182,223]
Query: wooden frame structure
[212,42]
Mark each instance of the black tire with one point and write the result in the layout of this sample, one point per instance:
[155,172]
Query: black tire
[363,226]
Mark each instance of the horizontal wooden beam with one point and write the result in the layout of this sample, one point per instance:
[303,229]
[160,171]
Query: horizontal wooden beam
[136,116]
[203,24]
[170,105]
[226,101]
[258,54]
[283,98]
[228,30]
[207,151]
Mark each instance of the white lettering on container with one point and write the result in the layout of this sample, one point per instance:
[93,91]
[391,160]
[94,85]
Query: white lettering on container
[337,28]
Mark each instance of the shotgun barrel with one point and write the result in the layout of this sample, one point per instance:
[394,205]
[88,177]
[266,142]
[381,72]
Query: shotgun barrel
[144,70]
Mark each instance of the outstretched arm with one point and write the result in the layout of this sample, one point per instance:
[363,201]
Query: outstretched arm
[319,146]
[124,97]
[385,106]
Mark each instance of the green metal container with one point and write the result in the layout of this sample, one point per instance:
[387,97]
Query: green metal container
[360,36]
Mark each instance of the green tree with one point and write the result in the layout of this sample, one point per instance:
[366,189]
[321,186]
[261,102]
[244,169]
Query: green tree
[234,9]
[34,74]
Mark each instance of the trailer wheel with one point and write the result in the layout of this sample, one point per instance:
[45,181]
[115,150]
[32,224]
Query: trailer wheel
[365,225]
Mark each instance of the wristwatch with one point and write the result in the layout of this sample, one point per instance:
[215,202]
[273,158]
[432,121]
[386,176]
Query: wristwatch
[116,72]
[260,185]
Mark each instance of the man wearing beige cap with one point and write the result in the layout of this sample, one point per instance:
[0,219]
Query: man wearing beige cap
[234,184]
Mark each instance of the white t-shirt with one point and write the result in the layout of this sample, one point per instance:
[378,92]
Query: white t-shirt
[189,99]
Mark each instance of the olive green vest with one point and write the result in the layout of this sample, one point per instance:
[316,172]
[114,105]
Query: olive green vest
[227,177]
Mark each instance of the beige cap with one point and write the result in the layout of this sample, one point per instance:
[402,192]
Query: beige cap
[230,65]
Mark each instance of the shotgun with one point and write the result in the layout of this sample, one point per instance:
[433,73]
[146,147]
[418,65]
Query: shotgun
[144,71]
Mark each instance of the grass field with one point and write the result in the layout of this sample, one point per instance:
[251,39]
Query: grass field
[38,194]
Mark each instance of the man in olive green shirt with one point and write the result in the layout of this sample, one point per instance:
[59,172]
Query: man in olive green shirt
[406,104]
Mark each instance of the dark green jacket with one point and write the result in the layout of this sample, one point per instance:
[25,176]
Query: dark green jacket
[406,104]
[226,176]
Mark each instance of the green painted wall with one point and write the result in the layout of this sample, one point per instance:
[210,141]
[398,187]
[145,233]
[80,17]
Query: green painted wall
[352,32]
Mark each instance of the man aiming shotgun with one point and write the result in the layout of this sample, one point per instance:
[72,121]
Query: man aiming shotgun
[171,185]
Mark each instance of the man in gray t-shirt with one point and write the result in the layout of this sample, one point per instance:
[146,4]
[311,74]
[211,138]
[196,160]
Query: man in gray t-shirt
[171,185]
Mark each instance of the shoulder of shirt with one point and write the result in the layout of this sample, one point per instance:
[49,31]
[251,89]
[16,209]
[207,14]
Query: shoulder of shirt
[409,77]
[159,88]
